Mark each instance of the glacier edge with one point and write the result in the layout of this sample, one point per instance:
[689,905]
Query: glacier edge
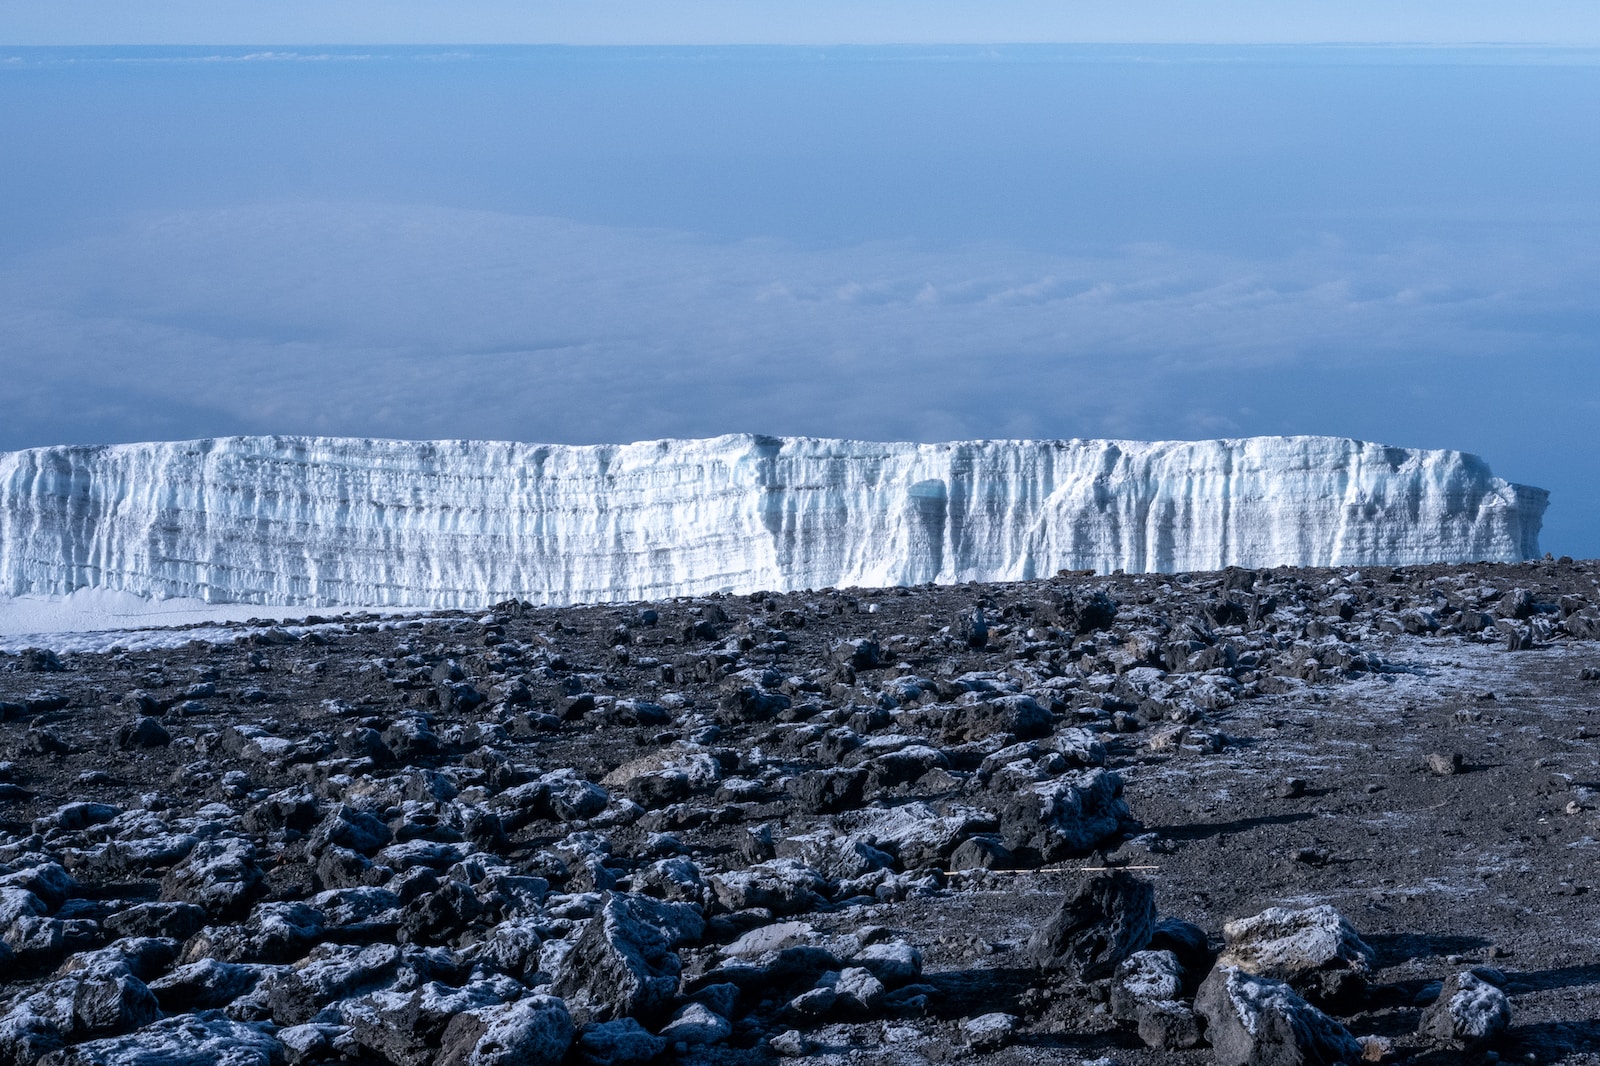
[326,521]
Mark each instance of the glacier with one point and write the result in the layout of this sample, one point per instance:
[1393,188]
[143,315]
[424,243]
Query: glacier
[327,521]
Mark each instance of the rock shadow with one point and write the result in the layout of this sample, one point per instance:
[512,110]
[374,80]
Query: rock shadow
[1547,980]
[1553,1041]
[1395,948]
[963,993]
[1202,830]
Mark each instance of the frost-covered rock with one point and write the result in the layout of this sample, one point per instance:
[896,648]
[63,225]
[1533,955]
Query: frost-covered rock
[204,985]
[320,520]
[535,1031]
[405,1027]
[332,972]
[782,886]
[622,965]
[695,1023]
[1065,816]
[1256,1021]
[221,876]
[1469,1013]
[1288,944]
[1144,977]
[19,903]
[989,1032]
[187,1040]
[617,1043]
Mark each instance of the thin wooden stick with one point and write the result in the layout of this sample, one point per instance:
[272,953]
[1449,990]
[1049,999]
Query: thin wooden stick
[1048,870]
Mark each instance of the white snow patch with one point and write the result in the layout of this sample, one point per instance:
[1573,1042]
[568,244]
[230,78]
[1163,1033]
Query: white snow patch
[96,620]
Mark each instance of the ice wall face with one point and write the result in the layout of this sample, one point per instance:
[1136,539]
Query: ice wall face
[334,521]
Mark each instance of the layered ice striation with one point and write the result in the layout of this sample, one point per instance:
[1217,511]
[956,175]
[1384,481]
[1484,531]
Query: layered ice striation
[323,521]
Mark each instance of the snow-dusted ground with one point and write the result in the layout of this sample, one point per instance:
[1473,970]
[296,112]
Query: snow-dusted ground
[320,522]
[93,620]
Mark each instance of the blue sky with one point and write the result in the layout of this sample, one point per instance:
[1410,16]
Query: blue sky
[702,22]
[590,244]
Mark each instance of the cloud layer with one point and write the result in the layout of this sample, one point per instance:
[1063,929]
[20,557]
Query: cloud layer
[396,321]
[612,244]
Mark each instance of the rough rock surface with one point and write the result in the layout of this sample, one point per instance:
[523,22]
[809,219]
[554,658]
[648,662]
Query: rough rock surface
[1286,943]
[1469,1013]
[787,825]
[1107,919]
[1256,1021]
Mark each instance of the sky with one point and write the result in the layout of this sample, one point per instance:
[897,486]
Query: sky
[816,22]
[926,242]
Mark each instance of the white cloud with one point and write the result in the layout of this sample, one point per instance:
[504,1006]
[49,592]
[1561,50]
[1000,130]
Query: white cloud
[426,322]
[411,322]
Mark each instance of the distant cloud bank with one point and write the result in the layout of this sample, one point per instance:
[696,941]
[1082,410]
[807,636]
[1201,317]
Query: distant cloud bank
[428,322]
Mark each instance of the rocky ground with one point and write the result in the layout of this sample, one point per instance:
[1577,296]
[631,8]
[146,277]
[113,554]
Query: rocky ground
[1287,816]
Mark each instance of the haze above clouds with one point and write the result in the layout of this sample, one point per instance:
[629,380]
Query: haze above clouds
[817,22]
[586,245]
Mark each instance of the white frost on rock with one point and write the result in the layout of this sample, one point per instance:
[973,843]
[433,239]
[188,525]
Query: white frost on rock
[321,521]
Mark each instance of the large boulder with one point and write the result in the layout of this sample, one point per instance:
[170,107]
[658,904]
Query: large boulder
[177,920]
[406,1027]
[1065,816]
[621,966]
[1016,715]
[49,881]
[1168,1024]
[571,797]
[1144,977]
[111,1002]
[1107,919]
[1256,1021]
[1469,1013]
[350,828]
[19,903]
[221,876]
[782,886]
[27,1036]
[536,1031]
[187,1040]
[332,972]
[1314,949]
[696,1024]
[204,985]
[916,834]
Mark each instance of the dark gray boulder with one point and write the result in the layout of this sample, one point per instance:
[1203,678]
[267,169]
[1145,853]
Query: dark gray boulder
[1168,1024]
[1469,1013]
[1256,1021]
[536,1031]
[1107,919]
[204,985]
[187,1040]
[332,972]
[1065,816]
[622,966]
[221,876]
[617,1043]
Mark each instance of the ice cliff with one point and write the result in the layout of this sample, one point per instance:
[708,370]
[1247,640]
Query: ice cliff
[333,521]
